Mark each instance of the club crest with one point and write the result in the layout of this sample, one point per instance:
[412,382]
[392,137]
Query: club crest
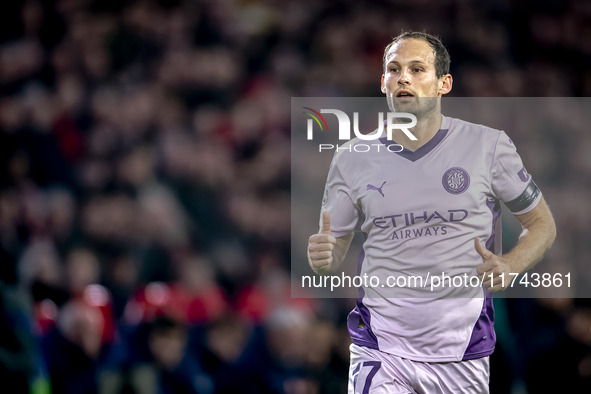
[456,180]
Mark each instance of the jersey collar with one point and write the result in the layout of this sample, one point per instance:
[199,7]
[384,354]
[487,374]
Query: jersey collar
[428,147]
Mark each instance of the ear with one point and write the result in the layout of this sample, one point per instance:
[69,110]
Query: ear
[383,85]
[446,83]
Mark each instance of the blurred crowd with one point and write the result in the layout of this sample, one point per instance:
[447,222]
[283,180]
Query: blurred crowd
[145,185]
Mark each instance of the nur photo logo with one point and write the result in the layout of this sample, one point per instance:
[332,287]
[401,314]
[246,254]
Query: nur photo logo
[345,124]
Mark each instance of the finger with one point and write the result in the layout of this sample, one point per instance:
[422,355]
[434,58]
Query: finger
[481,249]
[322,263]
[484,269]
[320,247]
[322,238]
[320,255]
[497,283]
[487,280]
[325,223]
[488,283]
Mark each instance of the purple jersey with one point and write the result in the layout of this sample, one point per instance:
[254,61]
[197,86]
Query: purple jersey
[420,212]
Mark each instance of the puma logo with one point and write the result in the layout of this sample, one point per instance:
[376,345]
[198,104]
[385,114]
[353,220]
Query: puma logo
[379,189]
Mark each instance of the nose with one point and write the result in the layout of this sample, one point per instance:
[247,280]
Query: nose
[404,77]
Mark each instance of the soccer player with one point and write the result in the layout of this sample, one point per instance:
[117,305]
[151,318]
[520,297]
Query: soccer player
[431,208]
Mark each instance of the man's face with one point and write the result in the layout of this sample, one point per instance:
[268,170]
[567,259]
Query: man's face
[409,79]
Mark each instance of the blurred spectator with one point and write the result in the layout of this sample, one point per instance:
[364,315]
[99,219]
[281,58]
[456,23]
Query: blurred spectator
[41,272]
[275,362]
[194,299]
[169,368]
[82,269]
[18,356]
[72,351]
[225,342]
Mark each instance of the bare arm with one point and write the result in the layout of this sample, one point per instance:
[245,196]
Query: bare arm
[325,252]
[539,232]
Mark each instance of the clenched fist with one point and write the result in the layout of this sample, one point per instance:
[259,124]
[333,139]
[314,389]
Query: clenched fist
[321,246]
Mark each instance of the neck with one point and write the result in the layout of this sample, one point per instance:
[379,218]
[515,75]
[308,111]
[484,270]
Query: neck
[427,126]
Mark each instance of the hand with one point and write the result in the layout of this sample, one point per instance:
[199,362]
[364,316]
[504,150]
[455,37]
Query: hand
[495,265]
[320,247]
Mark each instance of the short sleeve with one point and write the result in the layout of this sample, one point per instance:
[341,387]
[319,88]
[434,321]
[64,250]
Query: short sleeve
[510,181]
[344,215]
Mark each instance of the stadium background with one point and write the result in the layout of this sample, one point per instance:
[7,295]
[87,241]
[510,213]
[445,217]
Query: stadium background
[144,186]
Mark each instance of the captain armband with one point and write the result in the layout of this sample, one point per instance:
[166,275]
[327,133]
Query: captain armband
[526,198]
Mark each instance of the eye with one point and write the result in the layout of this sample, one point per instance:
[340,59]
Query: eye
[417,70]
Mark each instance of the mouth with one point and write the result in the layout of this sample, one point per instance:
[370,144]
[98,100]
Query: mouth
[404,93]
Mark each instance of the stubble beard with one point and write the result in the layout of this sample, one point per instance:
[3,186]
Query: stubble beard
[420,107]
